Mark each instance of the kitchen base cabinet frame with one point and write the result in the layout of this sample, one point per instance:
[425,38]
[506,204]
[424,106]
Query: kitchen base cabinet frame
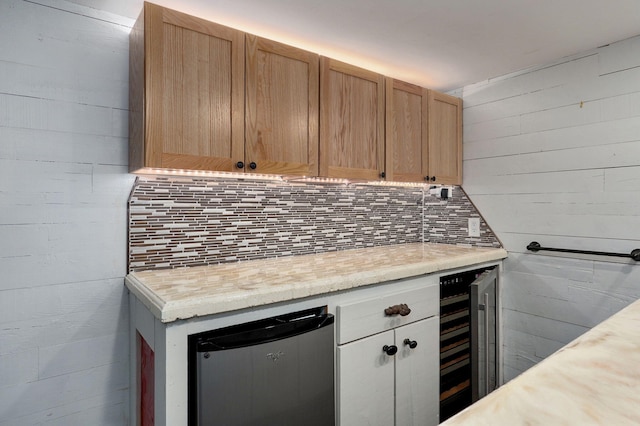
[169,341]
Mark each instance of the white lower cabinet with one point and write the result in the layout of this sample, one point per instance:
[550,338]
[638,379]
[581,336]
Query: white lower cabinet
[366,382]
[418,373]
[401,389]
[388,366]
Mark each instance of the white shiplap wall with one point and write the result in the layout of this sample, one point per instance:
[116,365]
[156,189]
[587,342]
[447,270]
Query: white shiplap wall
[552,155]
[63,192]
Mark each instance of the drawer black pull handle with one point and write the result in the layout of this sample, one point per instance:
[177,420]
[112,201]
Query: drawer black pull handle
[412,343]
[390,349]
[401,309]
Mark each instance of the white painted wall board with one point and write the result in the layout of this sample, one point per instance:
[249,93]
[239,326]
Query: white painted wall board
[112,415]
[82,355]
[622,228]
[76,265]
[496,128]
[96,410]
[555,299]
[68,83]
[19,367]
[581,181]
[524,98]
[524,81]
[40,145]
[585,85]
[119,12]
[622,154]
[25,399]
[621,280]
[56,37]
[39,177]
[55,300]
[620,56]
[54,330]
[44,114]
[623,179]
[609,204]
[593,134]
[534,325]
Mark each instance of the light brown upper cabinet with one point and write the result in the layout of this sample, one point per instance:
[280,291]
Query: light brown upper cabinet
[424,135]
[351,121]
[187,93]
[406,129]
[281,124]
[445,139]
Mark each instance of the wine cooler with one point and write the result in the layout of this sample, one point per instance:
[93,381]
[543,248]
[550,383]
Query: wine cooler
[468,338]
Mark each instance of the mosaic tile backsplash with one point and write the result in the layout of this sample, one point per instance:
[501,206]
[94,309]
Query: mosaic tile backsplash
[180,221]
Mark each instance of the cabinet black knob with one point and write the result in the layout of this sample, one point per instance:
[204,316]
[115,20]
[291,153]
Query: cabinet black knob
[240,165]
[390,349]
[253,165]
[426,178]
[383,175]
[412,343]
[433,178]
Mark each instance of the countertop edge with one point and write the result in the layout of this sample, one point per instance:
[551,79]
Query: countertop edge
[168,312]
[148,298]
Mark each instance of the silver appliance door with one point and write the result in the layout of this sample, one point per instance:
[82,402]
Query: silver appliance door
[284,382]
[484,334]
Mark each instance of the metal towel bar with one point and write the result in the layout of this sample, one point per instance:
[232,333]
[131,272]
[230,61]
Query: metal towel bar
[535,246]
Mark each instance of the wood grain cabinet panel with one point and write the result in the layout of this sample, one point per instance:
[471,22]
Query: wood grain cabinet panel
[192,96]
[407,157]
[423,135]
[281,124]
[445,138]
[351,121]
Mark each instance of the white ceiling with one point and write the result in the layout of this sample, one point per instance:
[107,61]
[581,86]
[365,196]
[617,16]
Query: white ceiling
[440,44]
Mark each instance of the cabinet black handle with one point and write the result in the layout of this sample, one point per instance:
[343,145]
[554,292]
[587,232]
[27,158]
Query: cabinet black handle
[433,178]
[390,349]
[240,165]
[412,343]
[253,165]
[383,175]
[426,178]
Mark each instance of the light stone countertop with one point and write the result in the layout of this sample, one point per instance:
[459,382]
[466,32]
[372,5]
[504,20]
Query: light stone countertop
[594,380]
[182,293]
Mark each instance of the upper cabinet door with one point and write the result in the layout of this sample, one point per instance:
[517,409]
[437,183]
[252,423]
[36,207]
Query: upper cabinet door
[445,138]
[406,130]
[281,126]
[194,100]
[351,121]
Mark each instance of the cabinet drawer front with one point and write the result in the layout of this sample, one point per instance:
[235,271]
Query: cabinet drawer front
[365,317]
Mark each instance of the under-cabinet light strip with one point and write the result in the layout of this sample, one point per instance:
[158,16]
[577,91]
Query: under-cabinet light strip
[277,178]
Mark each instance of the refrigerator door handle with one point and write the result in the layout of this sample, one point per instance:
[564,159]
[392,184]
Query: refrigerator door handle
[487,350]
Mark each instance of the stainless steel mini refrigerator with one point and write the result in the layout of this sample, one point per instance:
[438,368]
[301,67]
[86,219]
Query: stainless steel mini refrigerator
[276,371]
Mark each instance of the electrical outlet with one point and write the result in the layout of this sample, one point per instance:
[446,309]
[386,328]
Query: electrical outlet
[474,226]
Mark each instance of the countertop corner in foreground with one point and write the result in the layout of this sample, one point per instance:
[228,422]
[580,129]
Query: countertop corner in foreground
[594,380]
